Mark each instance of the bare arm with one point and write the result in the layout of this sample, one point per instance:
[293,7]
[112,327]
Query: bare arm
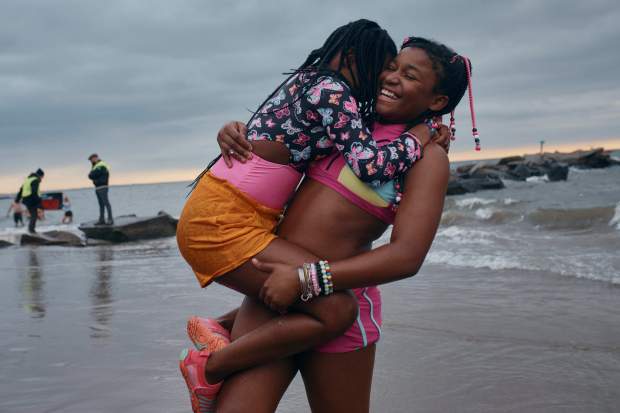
[414,229]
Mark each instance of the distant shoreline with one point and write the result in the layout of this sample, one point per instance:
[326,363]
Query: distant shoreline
[461,162]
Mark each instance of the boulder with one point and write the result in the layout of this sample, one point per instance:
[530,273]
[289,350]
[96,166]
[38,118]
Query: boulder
[511,160]
[132,228]
[458,185]
[68,238]
[464,169]
[4,243]
[557,172]
[521,172]
[53,238]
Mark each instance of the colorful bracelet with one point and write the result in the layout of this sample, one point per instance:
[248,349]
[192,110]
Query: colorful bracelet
[306,290]
[432,125]
[325,277]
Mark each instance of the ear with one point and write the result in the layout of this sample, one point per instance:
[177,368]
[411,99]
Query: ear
[439,102]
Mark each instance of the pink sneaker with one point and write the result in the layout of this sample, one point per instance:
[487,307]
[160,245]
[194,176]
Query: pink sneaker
[202,394]
[206,333]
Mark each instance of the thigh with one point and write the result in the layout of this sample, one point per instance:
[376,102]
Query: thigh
[258,389]
[338,382]
[248,280]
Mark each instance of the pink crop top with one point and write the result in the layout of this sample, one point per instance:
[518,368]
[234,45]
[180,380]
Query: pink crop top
[336,174]
[269,183]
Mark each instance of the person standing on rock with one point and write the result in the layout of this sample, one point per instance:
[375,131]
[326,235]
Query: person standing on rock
[30,195]
[100,175]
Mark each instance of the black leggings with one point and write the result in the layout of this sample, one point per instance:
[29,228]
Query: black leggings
[104,203]
[32,210]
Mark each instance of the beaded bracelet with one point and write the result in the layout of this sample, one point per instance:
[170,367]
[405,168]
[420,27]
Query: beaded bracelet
[302,282]
[325,277]
[315,279]
[432,125]
[306,290]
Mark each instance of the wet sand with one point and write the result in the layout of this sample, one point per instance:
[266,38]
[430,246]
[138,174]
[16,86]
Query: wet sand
[99,329]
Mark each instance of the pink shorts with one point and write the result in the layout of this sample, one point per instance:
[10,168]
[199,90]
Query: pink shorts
[366,330]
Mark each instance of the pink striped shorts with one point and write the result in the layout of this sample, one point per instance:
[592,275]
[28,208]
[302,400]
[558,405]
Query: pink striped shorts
[366,330]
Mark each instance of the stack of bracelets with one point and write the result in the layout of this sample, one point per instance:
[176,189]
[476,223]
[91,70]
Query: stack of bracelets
[315,280]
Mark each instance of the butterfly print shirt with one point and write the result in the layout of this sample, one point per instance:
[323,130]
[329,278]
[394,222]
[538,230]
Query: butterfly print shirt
[314,114]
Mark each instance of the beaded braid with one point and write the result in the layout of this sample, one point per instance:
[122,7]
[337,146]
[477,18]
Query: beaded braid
[454,77]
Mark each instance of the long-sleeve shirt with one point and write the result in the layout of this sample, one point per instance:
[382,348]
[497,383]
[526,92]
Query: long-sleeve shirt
[312,114]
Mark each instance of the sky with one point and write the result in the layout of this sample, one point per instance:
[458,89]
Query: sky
[147,84]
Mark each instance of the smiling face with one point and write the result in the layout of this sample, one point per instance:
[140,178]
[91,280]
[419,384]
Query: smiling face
[407,87]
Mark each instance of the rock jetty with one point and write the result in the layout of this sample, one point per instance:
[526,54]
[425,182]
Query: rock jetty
[555,166]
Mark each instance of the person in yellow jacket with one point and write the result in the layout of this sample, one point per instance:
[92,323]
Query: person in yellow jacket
[30,195]
[100,175]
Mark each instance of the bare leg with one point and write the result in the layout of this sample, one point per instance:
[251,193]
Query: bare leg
[315,322]
[338,382]
[228,320]
[258,389]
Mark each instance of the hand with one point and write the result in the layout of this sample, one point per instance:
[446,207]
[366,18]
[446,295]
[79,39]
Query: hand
[233,142]
[443,137]
[282,288]
[422,132]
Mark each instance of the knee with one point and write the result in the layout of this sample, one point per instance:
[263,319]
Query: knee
[340,312]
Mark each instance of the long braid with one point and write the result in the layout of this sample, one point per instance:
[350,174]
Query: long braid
[371,46]
[453,79]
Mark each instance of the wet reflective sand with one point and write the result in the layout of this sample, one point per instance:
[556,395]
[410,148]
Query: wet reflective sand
[99,329]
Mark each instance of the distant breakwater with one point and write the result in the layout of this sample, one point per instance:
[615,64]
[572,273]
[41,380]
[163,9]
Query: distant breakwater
[486,175]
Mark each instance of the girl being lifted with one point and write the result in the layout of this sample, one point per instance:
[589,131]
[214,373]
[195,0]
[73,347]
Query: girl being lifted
[324,106]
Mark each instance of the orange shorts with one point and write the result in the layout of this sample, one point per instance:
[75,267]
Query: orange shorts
[221,228]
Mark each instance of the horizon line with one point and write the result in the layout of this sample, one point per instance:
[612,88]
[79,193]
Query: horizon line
[177,179]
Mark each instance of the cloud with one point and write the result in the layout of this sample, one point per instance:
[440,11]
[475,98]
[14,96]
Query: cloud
[147,84]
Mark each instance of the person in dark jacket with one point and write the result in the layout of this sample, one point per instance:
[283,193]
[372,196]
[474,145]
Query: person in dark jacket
[100,175]
[30,195]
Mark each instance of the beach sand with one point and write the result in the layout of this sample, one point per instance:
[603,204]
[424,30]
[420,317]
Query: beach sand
[99,329]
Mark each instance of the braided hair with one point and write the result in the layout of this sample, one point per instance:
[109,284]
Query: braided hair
[449,69]
[371,46]
[453,73]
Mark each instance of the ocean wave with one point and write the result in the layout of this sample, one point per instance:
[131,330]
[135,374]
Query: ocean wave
[538,179]
[464,235]
[577,218]
[510,201]
[486,215]
[596,268]
[615,220]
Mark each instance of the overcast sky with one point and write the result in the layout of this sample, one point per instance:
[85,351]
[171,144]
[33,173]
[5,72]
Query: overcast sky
[147,84]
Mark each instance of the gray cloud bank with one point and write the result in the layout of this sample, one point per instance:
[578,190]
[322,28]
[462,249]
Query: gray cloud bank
[148,83]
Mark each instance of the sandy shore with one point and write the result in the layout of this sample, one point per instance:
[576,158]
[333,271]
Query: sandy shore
[99,330]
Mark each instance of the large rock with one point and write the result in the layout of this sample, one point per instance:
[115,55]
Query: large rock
[510,159]
[4,243]
[458,185]
[521,172]
[132,228]
[53,238]
[595,158]
[557,172]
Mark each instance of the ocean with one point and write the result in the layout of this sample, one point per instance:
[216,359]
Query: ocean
[517,309]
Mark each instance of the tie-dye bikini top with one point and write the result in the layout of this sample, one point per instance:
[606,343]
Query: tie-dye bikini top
[314,113]
[336,174]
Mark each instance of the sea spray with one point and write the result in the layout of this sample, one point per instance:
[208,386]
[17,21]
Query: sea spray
[615,220]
